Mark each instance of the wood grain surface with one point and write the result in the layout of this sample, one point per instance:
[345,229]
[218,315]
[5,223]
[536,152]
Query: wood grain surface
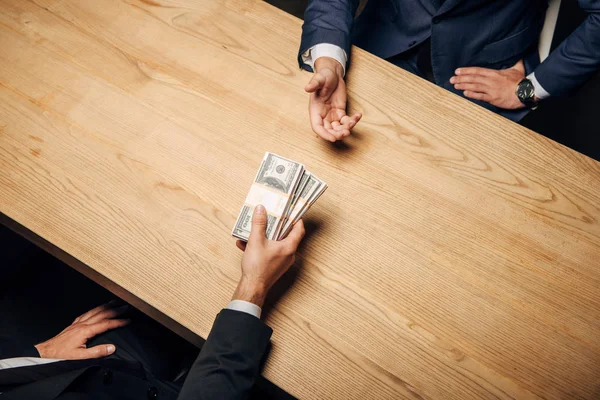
[454,256]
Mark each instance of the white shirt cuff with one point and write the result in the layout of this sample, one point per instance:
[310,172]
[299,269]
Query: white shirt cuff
[540,92]
[245,306]
[325,50]
[25,362]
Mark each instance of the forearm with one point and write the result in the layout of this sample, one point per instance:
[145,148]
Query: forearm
[229,363]
[327,21]
[576,59]
[10,348]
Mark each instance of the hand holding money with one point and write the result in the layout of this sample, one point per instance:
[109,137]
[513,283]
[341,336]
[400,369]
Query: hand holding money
[286,190]
[264,261]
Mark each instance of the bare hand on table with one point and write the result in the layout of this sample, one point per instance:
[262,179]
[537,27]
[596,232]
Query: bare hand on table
[327,104]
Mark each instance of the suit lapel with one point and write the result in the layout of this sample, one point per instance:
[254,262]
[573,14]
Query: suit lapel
[448,5]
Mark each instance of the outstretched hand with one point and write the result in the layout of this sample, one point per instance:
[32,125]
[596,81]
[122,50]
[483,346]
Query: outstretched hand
[70,344]
[265,261]
[327,104]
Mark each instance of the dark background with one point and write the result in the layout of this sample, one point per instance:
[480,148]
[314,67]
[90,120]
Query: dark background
[572,121]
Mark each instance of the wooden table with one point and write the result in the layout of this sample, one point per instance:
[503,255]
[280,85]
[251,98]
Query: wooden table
[455,255]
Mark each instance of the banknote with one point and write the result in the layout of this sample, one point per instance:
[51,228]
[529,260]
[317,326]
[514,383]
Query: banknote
[274,187]
[303,181]
[313,189]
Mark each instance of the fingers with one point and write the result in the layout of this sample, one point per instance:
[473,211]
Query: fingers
[103,326]
[475,82]
[94,311]
[317,82]
[473,87]
[99,351]
[350,122]
[475,71]
[316,122]
[259,224]
[478,96]
[333,126]
[324,133]
[241,245]
[107,314]
[330,124]
[479,79]
[296,235]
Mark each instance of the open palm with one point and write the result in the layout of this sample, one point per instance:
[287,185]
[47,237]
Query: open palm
[327,106]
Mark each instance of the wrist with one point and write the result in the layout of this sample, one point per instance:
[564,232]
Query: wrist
[40,350]
[330,63]
[251,292]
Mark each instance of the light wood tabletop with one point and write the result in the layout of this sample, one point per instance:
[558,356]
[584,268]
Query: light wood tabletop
[455,254]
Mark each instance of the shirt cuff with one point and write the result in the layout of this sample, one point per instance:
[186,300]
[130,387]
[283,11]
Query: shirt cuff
[539,90]
[325,50]
[245,306]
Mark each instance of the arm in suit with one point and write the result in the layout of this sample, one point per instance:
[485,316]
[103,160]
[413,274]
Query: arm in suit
[228,365]
[326,35]
[577,58]
[229,362]
[327,21]
[11,348]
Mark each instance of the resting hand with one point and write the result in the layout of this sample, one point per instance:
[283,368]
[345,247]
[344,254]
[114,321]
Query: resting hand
[497,87]
[265,261]
[327,104]
[70,344]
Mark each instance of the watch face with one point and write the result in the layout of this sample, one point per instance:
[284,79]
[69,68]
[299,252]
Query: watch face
[525,90]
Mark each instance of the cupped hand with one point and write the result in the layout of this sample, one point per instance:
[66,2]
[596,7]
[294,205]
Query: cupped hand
[327,104]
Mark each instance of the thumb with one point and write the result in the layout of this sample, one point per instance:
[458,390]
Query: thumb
[99,351]
[316,83]
[258,231]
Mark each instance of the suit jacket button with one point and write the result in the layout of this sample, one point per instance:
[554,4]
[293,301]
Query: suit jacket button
[108,377]
[411,44]
[152,393]
[436,20]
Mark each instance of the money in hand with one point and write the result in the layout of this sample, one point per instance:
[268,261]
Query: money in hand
[285,189]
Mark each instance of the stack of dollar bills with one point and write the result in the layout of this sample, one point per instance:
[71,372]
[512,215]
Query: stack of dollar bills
[286,190]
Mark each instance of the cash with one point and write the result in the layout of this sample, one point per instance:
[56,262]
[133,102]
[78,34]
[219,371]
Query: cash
[286,190]
[313,189]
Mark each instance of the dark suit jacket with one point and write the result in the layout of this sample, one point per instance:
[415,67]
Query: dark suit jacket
[226,368]
[486,33]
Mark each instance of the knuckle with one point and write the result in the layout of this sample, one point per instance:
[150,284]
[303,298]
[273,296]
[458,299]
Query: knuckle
[87,330]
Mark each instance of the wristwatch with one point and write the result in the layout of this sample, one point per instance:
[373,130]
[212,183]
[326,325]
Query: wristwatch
[526,94]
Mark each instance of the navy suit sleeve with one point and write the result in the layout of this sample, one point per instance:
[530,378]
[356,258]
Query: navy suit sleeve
[12,348]
[228,364]
[577,58]
[327,21]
